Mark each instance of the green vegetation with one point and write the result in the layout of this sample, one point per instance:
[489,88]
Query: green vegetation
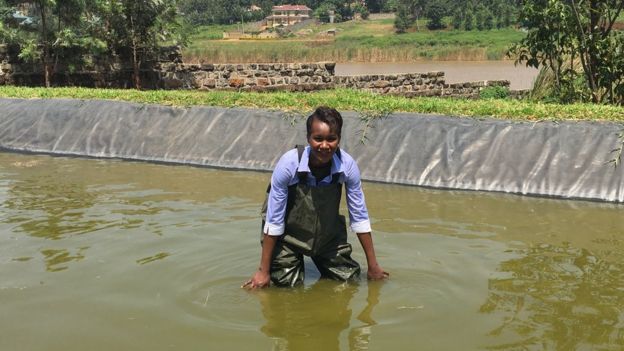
[214,32]
[208,12]
[355,41]
[576,41]
[465,14]
[76,33]
[496,92]
[342,99]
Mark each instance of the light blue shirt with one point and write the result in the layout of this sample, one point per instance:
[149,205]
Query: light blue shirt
[285,174]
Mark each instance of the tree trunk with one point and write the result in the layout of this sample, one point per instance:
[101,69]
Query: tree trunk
[594,60]
[46,49]
[135,59]
[135,65]
[586,51]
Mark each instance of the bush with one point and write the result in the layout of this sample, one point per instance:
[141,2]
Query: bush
[435,13]
[401,21]
[362,10]
[323,12]
[495,92]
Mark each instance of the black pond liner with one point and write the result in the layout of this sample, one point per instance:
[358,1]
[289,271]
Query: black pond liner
[557,159]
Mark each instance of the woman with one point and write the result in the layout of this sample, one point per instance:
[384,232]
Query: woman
[303,211]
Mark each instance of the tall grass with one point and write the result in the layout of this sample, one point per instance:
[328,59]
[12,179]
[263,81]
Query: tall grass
[362,41]
[295,52]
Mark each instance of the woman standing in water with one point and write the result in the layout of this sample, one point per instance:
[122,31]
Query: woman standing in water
[303,217]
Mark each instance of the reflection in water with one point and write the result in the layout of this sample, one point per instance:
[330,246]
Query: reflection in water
[559,298]
[156,257]
[56,259]
[312,318]
[56,199]
[60,206]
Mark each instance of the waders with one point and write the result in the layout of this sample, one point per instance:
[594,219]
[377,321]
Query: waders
[314,228]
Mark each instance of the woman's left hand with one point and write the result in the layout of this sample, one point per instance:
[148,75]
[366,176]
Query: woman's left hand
[376,273]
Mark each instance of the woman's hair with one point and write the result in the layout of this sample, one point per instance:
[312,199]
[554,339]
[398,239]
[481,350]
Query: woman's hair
[326,115]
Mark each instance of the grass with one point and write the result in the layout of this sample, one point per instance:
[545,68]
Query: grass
[215,32]
[356,41]
[341,99]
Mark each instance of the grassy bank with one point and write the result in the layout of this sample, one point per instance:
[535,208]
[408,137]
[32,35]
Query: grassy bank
[341,99]
[355,41]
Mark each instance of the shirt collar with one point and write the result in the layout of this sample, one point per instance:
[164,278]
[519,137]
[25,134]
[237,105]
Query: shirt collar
[305,158]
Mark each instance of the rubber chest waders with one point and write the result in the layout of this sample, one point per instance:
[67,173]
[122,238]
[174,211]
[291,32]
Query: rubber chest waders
[314,228]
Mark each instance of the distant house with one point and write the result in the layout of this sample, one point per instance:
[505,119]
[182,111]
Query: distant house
[287,15]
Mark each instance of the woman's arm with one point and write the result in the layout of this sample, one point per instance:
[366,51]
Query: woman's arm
[262,277]
[375,272]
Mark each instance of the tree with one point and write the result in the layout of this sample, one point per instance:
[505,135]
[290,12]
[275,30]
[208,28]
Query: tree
[489,13]
[508,16]
[36,47]
[480,15]
[469,20]
[573,31]
[488,23]
[401,20]
[435,12]
[375,6]
[457,19]
[8,33]
[205,12]
[52,32]
[69,32]
[143,26]
[362,10]
[390,6]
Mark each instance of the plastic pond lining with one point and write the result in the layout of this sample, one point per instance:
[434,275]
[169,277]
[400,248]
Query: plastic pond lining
[559,159]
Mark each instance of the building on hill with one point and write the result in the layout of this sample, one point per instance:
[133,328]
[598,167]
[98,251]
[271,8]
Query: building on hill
[286,15]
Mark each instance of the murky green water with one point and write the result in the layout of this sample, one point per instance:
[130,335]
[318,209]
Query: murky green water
[104,255]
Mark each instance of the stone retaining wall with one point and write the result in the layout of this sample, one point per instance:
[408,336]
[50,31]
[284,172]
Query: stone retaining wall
[415,84]
[171,73]
[311,76]
[5,66]
[253,76]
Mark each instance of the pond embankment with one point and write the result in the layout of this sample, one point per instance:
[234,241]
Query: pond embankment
[560,159]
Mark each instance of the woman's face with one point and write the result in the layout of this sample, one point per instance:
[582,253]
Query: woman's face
[323,143]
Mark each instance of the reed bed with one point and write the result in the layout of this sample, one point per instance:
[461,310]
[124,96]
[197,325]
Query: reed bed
[364,41]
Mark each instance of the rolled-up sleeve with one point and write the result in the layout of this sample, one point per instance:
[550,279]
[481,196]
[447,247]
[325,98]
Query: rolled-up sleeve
[358,213]
[278,196]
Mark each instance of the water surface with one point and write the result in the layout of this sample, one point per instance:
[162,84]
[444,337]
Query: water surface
[104,254]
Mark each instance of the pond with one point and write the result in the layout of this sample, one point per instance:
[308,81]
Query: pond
[107,254]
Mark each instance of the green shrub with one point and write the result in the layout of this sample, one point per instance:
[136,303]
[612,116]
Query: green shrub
[495,92]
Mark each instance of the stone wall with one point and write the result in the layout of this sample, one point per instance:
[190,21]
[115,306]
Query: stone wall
[415,84]
[311,76]
[248,77]
[6,68]
[168,72]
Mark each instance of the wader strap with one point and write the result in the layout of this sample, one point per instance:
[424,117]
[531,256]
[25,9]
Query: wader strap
[303,176]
